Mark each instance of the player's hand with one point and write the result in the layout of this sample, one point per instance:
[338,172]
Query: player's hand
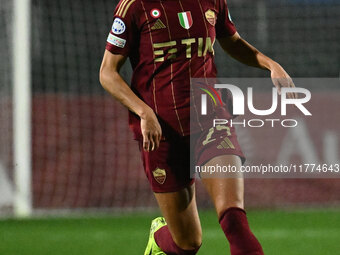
[281,79]
[151,131]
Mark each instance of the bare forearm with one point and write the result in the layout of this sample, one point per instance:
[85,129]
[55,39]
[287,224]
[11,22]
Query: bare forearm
[113,83]
[245,53]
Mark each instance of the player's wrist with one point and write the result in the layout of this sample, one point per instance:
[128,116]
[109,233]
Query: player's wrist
[145,113]
[266,62]
[272,65]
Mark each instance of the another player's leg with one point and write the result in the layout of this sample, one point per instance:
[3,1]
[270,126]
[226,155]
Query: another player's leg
[182,235]
[227,196]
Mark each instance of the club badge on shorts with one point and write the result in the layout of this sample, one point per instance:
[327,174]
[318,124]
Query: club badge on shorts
[159,175]
[185,19]
[211,17]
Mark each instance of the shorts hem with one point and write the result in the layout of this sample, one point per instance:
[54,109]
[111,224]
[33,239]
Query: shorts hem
[171,189]
[204,160]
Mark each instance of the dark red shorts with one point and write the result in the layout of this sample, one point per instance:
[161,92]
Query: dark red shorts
[168,168]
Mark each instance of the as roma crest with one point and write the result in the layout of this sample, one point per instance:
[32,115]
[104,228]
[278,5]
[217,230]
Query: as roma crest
[159,175]
[185,19]
[211,17]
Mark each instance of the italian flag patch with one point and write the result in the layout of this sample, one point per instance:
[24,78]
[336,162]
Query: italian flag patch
[185,19]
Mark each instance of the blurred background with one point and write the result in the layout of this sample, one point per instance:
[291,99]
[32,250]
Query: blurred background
[83,157]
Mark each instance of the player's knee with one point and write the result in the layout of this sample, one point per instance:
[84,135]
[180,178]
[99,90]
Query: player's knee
[191,245]
[190,241]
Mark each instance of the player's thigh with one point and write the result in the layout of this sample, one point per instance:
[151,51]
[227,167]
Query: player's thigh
[180,211]
[225,190]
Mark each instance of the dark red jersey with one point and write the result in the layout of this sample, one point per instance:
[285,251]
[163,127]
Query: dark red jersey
[168,42]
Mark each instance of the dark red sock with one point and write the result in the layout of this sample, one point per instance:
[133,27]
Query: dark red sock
[235,226]
[166,243]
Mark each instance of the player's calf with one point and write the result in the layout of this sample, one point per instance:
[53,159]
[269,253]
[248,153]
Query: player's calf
[235,226]
[165,241]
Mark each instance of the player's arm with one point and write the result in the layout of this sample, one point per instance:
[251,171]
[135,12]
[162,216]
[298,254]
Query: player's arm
[247,54]
[113,83]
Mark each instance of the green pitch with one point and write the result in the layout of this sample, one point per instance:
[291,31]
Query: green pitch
[280,232]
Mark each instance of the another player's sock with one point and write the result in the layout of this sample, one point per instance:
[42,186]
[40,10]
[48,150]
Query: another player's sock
[235,226]
[166,243]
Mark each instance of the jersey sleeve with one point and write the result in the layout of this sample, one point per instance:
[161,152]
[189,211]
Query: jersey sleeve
[224,26]
[123,33]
